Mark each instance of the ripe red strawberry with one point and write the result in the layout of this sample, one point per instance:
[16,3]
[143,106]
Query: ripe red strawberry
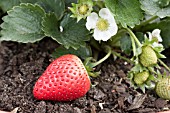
[65,79]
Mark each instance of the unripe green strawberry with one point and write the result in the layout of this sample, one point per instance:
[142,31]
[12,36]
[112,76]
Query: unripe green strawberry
[148,56]
[141,77]
[163,88]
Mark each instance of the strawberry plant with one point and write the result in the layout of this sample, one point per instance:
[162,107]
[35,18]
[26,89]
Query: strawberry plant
[87,30]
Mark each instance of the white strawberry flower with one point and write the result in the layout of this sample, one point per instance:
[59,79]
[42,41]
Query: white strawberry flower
[155,34]
[104,25]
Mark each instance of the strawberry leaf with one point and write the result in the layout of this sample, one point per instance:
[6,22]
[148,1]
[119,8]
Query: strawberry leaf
[68,33]
[152,7]
[82,52]
[5,5]
[29,1]
[23,24]
[127,12]
[56,6]
[163,3]
[125,44]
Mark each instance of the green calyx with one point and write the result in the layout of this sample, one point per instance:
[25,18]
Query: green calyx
[148,56]
[82,9]
[141,77]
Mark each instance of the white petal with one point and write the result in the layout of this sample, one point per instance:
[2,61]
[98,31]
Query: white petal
[111,21]
[155,44]
[107,36]
[91,21]
[101,35]
[61,28]
[113,29]
[109,33]
[156,33]
[159,39]
[105,13]
[150,36]
[145,36]
[97,35]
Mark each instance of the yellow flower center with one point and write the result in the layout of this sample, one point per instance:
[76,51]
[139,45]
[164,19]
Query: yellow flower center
[83,9]
[102,24]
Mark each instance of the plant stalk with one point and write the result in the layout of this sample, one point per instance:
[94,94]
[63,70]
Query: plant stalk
[145,22]
[133,46]
[124,58]
[108,49]
[164,64]
[134,37]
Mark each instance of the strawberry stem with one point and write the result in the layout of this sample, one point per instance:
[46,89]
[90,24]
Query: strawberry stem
[133,46]
[132,35]
[164,64]
[108,49]
[145,22]
[124,58]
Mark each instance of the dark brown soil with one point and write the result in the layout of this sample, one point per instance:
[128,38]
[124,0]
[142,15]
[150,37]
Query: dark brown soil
[22,64]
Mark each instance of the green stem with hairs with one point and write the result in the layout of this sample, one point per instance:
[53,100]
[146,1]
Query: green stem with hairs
[108,49]
[161,62]
[148,21]
[145,22]
[134,37]
[151,70]
[133,46]
[124,58]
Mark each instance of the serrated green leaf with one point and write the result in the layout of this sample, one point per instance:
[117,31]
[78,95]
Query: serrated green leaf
[6,5]
[82,52]
[56,6]
[127,12]
[29,1]
[153,8]
[163,3]
[125,44]
[23,24]
[68,33]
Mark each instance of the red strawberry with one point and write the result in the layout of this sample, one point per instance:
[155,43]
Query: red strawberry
[65,79]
